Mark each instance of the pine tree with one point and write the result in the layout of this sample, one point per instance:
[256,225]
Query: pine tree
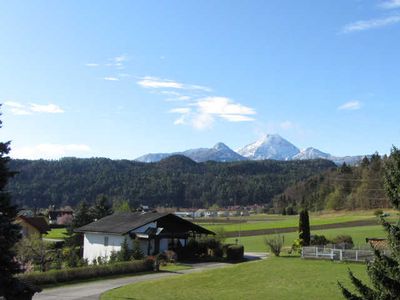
[101,209]
[304,228]
[9,232]
[383,271]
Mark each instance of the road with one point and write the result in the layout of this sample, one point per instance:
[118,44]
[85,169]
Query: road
[93,290]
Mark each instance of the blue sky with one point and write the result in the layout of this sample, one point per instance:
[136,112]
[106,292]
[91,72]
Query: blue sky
[120,79]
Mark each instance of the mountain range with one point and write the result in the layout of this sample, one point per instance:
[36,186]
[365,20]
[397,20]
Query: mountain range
[271,146]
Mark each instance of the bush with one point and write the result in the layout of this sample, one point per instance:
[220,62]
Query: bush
[234,252]
[344,240]
[319,240]
[275,244]
[76,274]
[378,212]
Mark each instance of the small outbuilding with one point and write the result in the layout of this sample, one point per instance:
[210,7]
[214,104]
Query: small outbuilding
[155,232]
[32,225]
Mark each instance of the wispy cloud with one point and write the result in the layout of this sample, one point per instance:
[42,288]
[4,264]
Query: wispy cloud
[50,151]
[207,110]
[111,78]
[46,108]
[390,4]
[160,83]
[371,24]
[18,108]
[351,105]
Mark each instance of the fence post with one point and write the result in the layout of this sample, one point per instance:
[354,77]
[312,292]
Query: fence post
[356,255]
[316,251]
[341,254]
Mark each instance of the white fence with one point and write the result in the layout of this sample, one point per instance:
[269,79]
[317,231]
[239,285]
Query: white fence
[337,254]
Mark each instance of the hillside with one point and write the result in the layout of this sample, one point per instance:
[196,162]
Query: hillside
[175,181]
[347,187]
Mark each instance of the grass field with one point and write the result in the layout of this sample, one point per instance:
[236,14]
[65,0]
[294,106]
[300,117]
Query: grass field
[288,221]
[273,278]
[56,233]
[256,243]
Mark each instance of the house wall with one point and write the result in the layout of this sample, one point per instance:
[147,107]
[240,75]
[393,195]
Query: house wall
[93,245]
[26,228]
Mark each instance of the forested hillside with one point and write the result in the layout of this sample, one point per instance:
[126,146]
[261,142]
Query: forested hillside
[175,181]
[357,187]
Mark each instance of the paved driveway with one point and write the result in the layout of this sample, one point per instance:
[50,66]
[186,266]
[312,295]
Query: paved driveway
[93,290]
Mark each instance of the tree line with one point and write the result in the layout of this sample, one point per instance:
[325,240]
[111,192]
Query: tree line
[345,187]
[175,181]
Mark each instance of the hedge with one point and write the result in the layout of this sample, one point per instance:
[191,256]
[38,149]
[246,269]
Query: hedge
[234,252]
[76,274]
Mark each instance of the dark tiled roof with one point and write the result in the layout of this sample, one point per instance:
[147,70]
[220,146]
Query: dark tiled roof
[38,222]
[121,223]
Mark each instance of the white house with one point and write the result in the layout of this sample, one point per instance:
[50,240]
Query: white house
[155,232]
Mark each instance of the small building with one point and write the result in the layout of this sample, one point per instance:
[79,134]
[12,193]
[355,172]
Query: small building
[32,225]
[55,215]
[378,243]
[156,232]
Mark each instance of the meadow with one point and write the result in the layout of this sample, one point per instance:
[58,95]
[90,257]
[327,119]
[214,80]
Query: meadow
[272,278]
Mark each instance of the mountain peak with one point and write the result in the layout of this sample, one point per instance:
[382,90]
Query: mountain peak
[270,146]
[221,147]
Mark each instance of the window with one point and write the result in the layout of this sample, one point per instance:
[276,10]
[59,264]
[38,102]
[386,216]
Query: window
[106,241]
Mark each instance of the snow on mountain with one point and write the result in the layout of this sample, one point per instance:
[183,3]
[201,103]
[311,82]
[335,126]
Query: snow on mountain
[311,153]
[220,152]
[271,146]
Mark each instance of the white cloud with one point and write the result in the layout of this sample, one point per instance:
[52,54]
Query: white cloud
[50,151]
[390,4]
[286,125]
[157,83]
[202,121]
[111,78]
[222,106]
[371,24]
[17,108]
[46,108]
[180,110]
[351,105]
[209,109]
[153,82]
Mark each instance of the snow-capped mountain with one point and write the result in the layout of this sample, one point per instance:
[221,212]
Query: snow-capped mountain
[271,146]
[220,152]
[311,153]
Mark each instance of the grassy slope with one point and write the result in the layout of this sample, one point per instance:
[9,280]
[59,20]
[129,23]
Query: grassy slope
[256,243]
[274,278]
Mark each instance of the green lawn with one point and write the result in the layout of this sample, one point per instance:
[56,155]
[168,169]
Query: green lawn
[273,278]
[289,221]
[256,243]
[56,233]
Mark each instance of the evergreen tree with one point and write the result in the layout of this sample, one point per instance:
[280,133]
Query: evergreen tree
[101,208]
[304,228]
[9,232]
[384,269]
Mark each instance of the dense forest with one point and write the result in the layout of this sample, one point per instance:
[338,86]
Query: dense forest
[346,187]
[175,181]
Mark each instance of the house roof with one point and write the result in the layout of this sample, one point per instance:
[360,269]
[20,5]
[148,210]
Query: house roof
[122,223]
[38,222]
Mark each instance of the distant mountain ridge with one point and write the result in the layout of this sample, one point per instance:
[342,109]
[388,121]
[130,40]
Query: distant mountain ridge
[271,146]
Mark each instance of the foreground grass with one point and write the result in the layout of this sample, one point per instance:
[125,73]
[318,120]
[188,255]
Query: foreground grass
[359,234]
[273,278]
[56,233]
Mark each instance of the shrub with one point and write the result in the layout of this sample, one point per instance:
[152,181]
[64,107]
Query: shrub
[234,252]
[343,240]
[378,212]
[275,244]
[220,234]
[296,247]
[72,274]
[319,240]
